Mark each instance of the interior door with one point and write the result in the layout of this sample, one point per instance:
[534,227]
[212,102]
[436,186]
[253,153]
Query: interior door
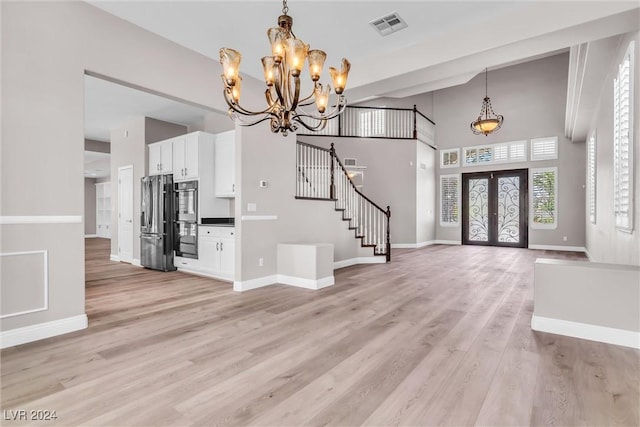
[494,208]
[125,213]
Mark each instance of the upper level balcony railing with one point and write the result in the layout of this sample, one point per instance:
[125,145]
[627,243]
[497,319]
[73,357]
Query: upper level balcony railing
[380,122]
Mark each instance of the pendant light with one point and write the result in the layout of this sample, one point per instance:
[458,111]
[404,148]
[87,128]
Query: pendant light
[488,121]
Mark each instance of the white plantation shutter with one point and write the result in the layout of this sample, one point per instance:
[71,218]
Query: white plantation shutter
[500,153]
[544,148]
[518,151]
[544,197]
[622,146]
[450,200]
[591,176]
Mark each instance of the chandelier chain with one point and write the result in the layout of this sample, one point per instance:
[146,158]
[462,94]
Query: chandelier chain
[285,8]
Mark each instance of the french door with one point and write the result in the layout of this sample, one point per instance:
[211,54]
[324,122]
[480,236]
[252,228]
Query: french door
[494,208]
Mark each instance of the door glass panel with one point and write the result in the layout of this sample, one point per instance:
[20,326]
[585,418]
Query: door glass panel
[479,210]
[509,209]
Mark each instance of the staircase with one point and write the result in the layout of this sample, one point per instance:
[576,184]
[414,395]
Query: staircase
[322,176]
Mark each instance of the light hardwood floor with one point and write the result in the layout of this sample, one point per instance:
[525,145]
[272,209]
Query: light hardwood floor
[441,336]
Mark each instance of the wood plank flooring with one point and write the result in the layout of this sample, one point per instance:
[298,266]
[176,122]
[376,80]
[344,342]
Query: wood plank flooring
[441,336]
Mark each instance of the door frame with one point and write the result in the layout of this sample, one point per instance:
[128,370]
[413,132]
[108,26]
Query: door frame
[523,199]
[120,232]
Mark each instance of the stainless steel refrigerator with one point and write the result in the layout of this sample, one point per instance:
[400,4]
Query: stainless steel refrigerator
[157,222]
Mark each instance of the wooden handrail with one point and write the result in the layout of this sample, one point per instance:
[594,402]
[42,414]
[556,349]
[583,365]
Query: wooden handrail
[315,147]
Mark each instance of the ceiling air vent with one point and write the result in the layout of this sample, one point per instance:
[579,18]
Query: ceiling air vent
[349,162]
[388,24]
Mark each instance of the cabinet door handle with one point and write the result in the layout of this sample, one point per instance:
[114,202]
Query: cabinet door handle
[233,188]
[220,245]
[217,245]
[185,171]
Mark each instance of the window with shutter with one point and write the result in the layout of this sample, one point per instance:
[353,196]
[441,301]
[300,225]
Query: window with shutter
[622,143]
[591,175]
[449,158]
[544,197]
[544,148]
[518,151]
[450,200]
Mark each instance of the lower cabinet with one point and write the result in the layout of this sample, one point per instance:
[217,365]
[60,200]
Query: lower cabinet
[216,253]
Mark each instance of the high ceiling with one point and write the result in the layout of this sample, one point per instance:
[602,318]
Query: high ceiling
[446,43]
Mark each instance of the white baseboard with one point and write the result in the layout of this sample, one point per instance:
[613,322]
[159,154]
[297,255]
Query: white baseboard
[412,245]
[115,258]
[42,330]
[586,331]
[90,236]
[260,282]
[359,260]
[306,283]
[136,262]
[558,248]
[447,242]
[589,257]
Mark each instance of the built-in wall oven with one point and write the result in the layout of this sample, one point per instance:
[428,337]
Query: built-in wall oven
[186,229]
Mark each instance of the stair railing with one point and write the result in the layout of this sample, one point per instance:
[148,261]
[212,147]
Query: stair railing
[322,176]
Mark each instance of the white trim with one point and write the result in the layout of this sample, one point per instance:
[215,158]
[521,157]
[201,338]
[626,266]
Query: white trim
[301,282]
[558,248]
[447,242]
[41,219]
[136,262]
[45,282]
[589,257]
[359,260]
[412,245]
[42,330]
[586,331]
[90,236]
[113,257]
[258,217]
[260,282]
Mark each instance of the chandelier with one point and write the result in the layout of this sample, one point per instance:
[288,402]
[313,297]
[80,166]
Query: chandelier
[487,122]
[286,109]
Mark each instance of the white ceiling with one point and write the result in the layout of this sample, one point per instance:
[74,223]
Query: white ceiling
[446,43]
[97,165]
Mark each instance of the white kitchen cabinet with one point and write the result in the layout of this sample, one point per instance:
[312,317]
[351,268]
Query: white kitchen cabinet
[216,251]
[161,157]
[186,158]
[225,164]
[103,210]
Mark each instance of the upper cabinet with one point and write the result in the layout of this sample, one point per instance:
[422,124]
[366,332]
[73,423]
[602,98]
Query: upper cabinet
[186,156]
[225,164]
[161,157]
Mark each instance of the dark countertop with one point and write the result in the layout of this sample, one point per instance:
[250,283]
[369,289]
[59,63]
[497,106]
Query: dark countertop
[218,222]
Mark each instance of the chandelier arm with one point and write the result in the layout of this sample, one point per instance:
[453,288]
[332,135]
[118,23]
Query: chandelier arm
[238,108]
[278,86]
[303,101]
[296,93]
[313,128]
[243,122]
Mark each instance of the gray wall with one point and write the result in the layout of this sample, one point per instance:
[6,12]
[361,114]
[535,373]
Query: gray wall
[98,146]
[532,99]
[89,206]
[603,241]
[129,147]
[588,292]
[262,155]
[43,122]
[425,193]
[393,178]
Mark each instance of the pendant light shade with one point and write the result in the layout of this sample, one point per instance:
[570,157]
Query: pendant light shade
[488,121]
